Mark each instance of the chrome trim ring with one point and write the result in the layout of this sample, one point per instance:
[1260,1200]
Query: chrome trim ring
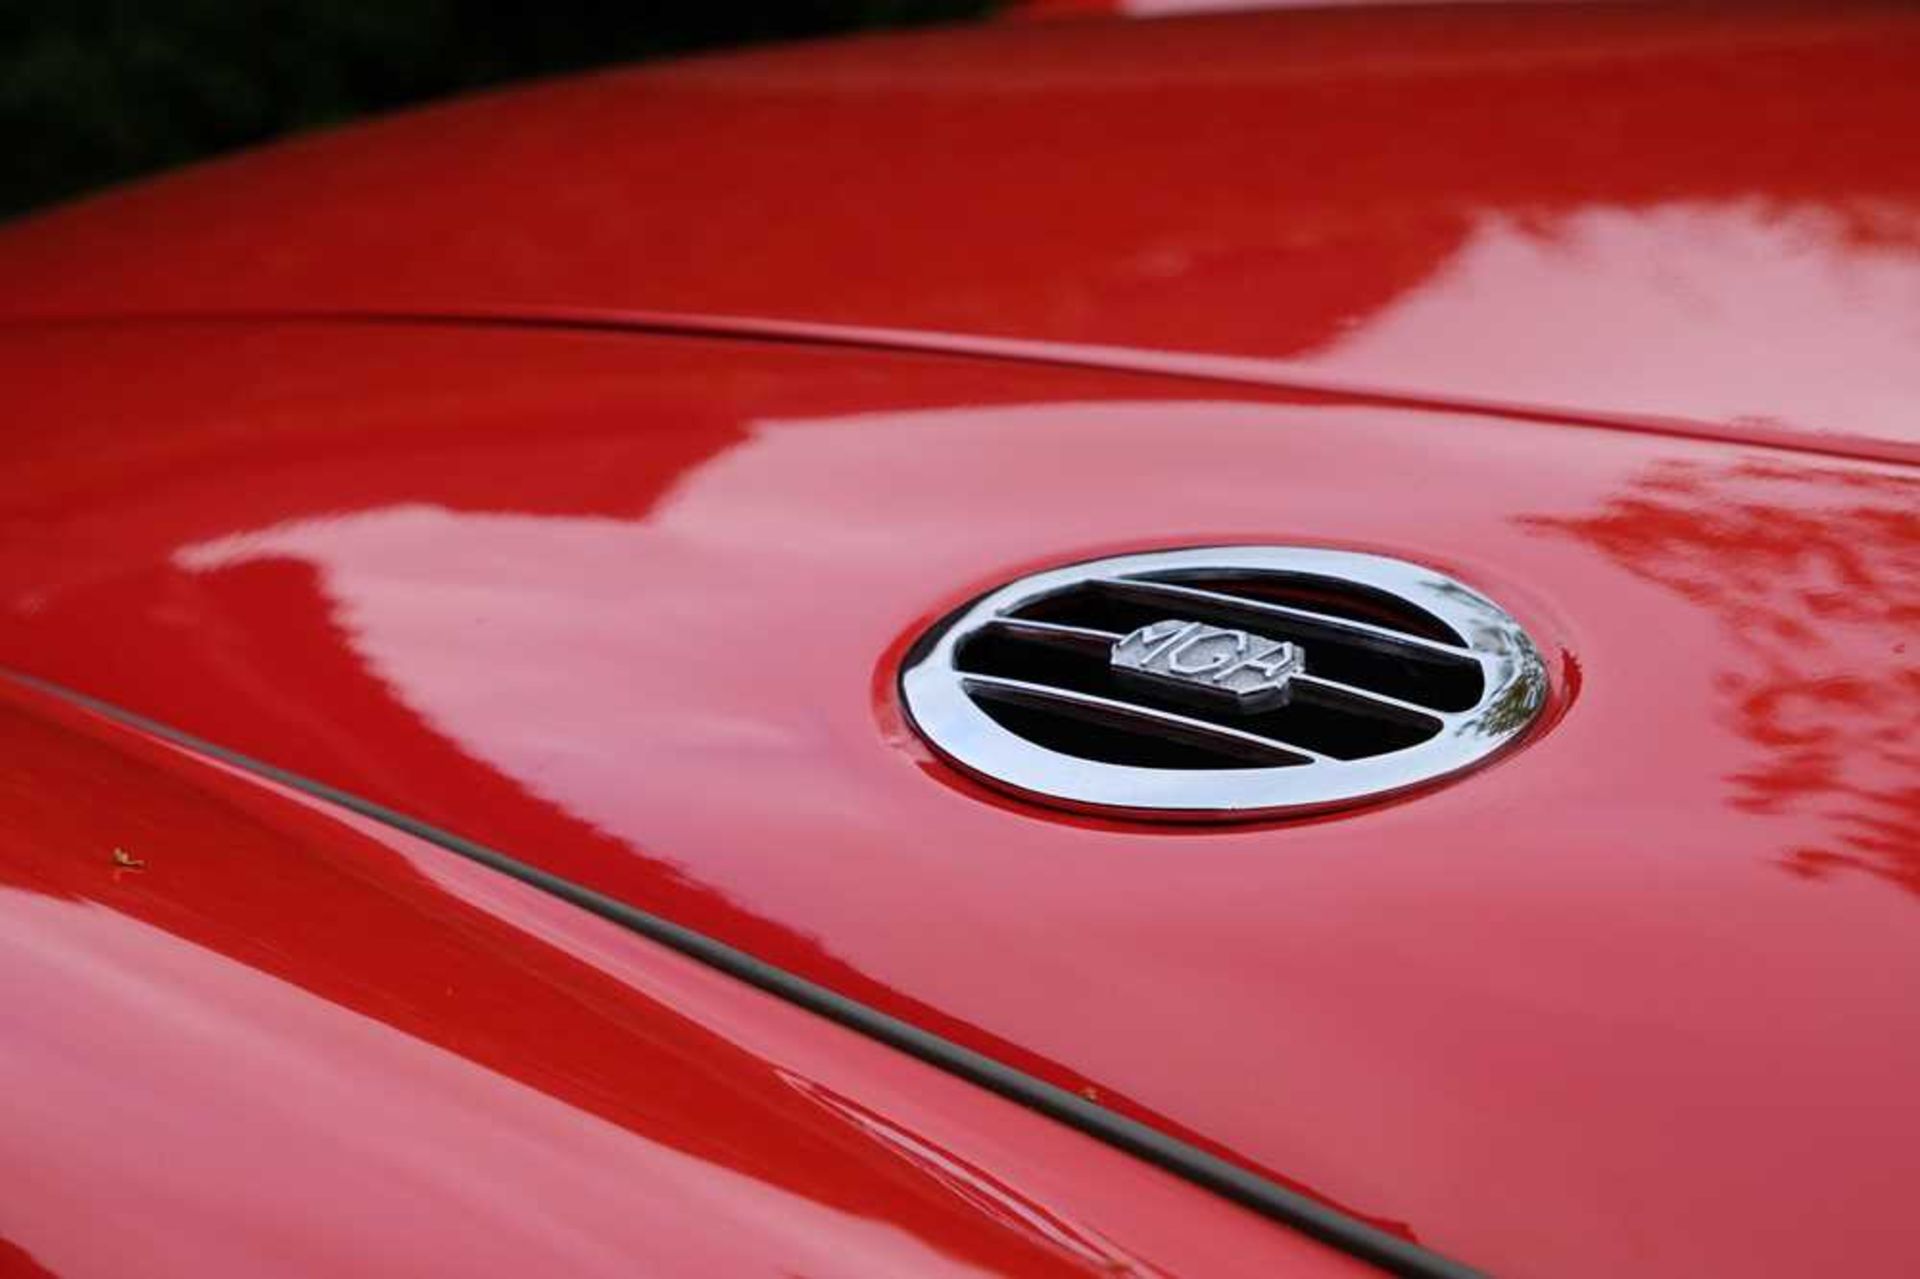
[1270,776]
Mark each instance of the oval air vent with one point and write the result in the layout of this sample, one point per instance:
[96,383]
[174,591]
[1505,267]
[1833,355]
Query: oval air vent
[1223,682]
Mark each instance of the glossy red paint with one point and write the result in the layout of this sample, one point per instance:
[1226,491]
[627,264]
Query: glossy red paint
[1634,999]
[1696,212]
[247,1034]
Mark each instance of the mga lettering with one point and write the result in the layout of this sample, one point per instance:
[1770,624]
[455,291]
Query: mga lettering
[1223,666]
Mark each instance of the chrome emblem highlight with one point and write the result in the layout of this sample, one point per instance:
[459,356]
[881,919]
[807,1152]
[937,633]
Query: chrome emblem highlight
[1210,663]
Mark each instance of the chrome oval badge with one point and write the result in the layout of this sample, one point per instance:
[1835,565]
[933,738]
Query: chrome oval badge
[1224,682]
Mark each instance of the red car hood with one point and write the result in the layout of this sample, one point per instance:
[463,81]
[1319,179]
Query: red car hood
[1695,214]
[628,605]
[628,608]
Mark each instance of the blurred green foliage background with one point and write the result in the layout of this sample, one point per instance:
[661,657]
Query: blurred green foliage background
[93,91]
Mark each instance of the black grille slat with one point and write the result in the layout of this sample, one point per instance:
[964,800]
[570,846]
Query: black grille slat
[1083,640]
[1349,700]
[1137,719]
[1314,594]
[1266,616]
